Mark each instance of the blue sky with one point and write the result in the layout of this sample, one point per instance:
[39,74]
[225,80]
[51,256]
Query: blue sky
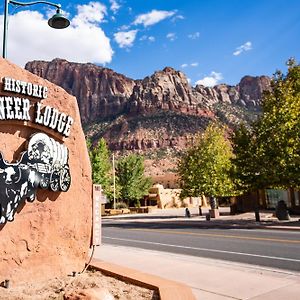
[212,41]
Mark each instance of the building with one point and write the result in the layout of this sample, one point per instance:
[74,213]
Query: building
[169,198]
[268,199]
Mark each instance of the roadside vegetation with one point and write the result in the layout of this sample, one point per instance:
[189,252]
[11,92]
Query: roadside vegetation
[268,153]
[205,168]
[264,154]
[131,185]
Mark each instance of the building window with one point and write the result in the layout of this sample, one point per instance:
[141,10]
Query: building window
[273,196]
[297,201]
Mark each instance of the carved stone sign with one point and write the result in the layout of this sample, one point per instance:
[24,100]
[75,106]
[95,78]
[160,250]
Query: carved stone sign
[17,108]
[45,163]
[45,180]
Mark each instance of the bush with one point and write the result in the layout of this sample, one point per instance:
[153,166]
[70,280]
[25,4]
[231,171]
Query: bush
[121,205]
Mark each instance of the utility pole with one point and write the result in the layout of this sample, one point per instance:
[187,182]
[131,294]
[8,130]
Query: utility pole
[114,179]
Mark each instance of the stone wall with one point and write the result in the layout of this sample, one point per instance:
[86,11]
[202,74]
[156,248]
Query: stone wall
[51,235]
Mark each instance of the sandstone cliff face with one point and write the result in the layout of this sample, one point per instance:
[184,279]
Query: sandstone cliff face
[164,90]
[251,90]
[101,93]
[248,93]
[161,111]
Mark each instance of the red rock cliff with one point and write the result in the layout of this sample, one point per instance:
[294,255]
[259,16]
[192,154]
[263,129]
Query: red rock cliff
[161,111]
[103,93]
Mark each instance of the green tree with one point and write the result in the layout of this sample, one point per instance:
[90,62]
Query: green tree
[279,129]
[131,179]
[101,166]
[205,168]
[249,165]
[268,153]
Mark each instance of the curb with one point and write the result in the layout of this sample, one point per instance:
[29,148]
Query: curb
[242,226]
[167,289]
[212,224]
[281,228]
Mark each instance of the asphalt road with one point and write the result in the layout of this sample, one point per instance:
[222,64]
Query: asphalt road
[269,248]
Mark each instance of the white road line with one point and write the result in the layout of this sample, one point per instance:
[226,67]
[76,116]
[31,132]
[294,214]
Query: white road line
[205,249]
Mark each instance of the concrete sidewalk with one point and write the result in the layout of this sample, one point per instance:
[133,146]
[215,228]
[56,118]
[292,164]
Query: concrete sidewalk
[209,279]
[244,220]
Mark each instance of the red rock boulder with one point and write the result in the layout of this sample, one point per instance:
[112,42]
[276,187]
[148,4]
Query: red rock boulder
[50,235]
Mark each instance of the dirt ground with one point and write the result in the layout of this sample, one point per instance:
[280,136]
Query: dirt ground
[55,289]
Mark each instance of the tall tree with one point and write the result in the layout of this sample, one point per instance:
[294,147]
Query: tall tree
[101,166]
[204,169]
[268,153]
[131,179]
[249,165]
[279,129]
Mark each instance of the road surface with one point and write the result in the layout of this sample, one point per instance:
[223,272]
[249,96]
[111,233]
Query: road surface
[270,248]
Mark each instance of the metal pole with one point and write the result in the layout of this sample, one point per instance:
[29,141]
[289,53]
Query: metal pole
[33,3]
[5,25]
[114,179]
[4,50]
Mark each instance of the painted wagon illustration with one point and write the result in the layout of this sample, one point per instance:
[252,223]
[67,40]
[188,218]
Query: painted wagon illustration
[50,159]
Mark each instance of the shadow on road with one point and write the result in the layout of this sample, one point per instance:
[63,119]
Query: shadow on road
[178,222]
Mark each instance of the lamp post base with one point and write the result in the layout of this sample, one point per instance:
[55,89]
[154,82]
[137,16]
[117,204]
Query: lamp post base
[214,213]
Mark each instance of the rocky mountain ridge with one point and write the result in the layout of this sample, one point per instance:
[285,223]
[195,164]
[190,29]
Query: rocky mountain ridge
[161,111]
[103,93]
[100,92]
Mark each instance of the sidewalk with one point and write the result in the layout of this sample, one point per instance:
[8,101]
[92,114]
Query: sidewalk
[209,279]
[244,220]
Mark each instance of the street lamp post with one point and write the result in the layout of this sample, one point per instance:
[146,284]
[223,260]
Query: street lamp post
[114,180]
[58,21]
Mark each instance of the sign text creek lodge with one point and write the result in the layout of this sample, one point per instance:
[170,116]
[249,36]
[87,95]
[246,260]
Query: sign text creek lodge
[18,108]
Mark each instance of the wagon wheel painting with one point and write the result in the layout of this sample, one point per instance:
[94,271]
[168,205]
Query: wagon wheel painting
[54,181]
[44,181]
[65,179]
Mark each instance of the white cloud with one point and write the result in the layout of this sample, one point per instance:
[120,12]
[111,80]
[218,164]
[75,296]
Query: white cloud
[177,17]
[211,80]
[147,38]
[114,6]
[245,47]
[153,17]
[171,36]
[125,39]
[89,14]
[194,64]
[194,36]
[124,27]
[30,37]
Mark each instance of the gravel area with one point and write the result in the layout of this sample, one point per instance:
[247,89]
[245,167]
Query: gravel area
[90,283]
